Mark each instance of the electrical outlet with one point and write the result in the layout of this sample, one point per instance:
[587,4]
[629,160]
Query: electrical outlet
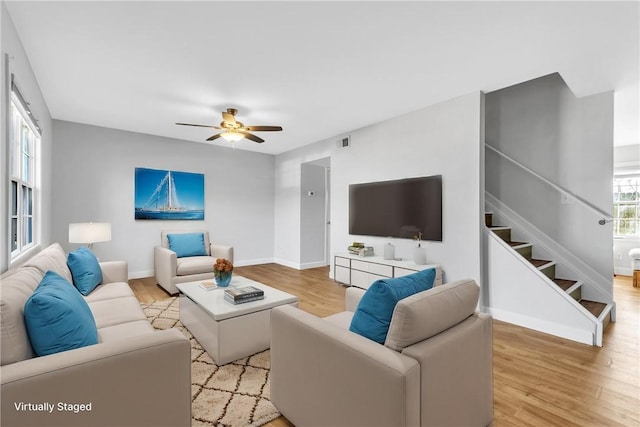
[618,256]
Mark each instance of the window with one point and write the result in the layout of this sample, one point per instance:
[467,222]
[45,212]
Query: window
[24,142]
[626,206]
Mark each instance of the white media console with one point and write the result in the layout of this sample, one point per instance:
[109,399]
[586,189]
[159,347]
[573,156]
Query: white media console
[355,270]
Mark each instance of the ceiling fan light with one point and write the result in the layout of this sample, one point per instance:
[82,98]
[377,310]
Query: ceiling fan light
[231,136]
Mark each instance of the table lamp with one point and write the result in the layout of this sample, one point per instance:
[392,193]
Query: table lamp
[89,232]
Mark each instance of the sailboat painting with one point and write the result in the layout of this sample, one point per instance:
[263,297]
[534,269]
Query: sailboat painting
[168,195]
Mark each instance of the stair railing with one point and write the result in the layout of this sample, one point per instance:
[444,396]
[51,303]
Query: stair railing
[606,217]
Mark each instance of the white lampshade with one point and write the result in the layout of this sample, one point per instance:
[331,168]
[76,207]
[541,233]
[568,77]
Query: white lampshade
[89,232]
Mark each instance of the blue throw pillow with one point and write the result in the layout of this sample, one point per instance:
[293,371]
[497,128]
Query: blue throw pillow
[85,270]
[374,312]
[187,244]
[58,318]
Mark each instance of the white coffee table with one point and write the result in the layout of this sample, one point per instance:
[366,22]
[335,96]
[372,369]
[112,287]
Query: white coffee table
[226,331]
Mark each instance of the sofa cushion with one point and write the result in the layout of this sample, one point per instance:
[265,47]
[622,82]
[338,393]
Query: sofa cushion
[373,314]
[17,287]
[57,317]
[51,258]
[109,291]
[116,311]
[195,265]
[187,244]
[85,270]
[124,331]
[428,313]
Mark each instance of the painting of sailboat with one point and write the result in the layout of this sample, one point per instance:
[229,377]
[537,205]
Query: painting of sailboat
[168,195]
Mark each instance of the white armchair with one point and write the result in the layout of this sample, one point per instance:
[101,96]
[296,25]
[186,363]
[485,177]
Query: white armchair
[171,269]
[435,368]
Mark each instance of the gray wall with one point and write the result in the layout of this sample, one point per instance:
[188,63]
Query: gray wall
[568,140]
[20,67]
[94,181]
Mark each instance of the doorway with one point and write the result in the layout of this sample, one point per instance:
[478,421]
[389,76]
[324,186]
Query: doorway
[315,213]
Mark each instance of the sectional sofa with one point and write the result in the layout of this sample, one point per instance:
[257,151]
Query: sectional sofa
[133,376]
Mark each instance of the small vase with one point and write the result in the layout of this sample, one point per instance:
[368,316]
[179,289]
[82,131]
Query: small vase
[389,251]
[420,256]
[222,278]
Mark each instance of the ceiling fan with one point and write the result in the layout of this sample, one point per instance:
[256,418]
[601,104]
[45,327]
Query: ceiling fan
[233,130]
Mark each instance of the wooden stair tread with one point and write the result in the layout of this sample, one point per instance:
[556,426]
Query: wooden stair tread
[517,243]
[564,283]
[593,307]
[539,262]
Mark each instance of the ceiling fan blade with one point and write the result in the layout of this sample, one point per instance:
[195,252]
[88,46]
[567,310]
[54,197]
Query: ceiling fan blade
[263,128]
[216,136]
[251,136]
[201,126]
[228,118]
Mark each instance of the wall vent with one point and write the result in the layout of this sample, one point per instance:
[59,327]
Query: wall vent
[344,142]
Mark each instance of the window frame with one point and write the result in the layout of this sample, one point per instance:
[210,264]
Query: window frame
[617,204]
[24,167]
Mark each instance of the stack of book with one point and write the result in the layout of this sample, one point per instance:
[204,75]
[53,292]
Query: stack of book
[355,248]
[243,294]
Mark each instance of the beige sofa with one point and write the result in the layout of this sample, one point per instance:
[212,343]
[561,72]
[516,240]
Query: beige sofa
[134,376]
[171,270]
[435,368]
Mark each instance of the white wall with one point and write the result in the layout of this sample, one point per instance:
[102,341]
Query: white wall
[94,182]
[569,141]
[26,81]
[442,139]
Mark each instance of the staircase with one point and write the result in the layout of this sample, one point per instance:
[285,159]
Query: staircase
[600,313]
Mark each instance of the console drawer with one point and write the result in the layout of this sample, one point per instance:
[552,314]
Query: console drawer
[345,262]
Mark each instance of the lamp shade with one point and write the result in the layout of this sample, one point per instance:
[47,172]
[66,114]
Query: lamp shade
[89,232]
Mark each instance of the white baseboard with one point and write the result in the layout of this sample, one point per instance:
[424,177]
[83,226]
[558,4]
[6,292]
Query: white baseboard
[141,274]
[287,263]
[315,264]
[573,334]
[256,261]
[623,271]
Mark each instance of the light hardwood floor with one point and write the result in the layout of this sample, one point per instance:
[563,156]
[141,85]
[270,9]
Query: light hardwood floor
[539,380]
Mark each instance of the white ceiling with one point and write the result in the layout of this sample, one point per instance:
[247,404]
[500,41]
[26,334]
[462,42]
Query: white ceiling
[319,69]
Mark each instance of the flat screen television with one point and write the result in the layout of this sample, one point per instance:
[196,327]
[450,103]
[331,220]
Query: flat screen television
[400,208]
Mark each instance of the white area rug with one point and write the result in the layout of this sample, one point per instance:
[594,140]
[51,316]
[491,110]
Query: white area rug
[236,394]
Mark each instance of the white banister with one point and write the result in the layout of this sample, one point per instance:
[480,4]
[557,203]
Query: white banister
[606,217]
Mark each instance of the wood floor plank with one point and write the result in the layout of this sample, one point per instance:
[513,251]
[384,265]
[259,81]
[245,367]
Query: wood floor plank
[539,380]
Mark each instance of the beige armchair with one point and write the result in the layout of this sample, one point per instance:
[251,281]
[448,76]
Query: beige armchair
[435,368]
[171,269]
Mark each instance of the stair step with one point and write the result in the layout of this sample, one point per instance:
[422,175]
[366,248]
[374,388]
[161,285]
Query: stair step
[546,267]
[514,244]
[572,287]
[524,249]
[539,262]
[488,219]
[564,284]
[593,307]
[503,232]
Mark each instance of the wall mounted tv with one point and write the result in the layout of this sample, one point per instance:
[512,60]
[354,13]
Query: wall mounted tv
[399,208]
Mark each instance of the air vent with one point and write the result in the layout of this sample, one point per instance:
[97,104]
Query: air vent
[344,142]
